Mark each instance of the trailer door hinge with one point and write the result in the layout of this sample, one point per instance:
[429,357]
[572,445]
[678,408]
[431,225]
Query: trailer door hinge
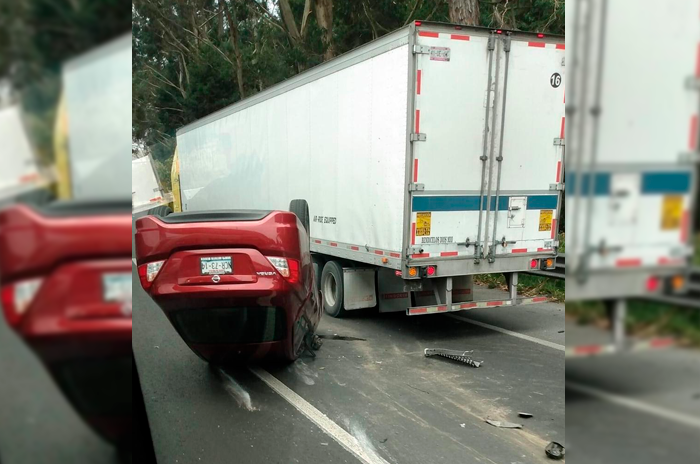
[560,142]
[556,187]
[421,50]
[416,187]
[692,83]
[689,157]
[418,137]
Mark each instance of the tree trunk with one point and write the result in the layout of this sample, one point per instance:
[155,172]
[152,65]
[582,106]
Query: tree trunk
[464,12]
[233,32]
[288,19]
[324,16]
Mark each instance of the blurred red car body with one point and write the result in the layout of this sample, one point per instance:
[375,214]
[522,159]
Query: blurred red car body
[64,269]
[236,285]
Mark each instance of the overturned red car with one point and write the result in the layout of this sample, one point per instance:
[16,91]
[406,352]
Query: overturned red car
[235,284]
[65,286]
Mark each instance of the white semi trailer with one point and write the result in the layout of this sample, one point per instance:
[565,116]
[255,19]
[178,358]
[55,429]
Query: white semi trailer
[146,191]
[422,158]
[20,175]
[632,154]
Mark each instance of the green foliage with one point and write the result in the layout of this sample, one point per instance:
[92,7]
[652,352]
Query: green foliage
[185,58]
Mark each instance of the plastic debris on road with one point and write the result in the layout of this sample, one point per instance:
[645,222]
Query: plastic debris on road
[555,450]
[504,424]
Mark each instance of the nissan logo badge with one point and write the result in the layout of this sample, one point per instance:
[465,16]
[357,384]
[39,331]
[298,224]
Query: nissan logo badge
[215,278]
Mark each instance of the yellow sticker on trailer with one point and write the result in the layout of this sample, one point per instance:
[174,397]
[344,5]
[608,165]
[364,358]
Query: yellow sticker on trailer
[423,224]
[546,216]
[671,212]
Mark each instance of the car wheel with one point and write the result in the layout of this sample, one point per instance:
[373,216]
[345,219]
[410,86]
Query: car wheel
[301,209]
[160,211]
[333,289]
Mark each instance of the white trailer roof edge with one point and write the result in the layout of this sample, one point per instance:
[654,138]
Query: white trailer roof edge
[370,49]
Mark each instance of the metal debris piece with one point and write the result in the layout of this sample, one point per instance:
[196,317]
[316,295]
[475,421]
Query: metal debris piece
[526,415]
[461,356]
[555,450]
[504,424]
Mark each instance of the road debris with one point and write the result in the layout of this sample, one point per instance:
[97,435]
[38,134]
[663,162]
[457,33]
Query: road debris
[555,450]
[526,415]
[462,425]
[461,356]
[504,424]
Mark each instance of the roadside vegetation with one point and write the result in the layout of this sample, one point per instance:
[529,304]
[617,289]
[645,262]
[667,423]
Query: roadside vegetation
[646,319]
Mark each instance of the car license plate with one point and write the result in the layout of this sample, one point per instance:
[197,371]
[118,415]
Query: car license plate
[216,265]
[116,286]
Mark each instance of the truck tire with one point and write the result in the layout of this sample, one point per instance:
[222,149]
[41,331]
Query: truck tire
[160,211]
[318,263]
[333,289]
[301,209]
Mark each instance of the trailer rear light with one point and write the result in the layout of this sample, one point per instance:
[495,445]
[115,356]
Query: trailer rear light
[288,268]
[652,284]
[149,272]
[499,31]
[430,271]
[540,36]
[534,264]
[16,298]
[678,282]
[547,263]
[418,23]
[412,271]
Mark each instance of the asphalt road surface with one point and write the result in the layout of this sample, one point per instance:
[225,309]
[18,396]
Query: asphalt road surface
[370,392]
[641,408]
[37,424]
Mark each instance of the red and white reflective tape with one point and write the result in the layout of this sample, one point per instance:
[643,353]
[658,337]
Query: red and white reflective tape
[420,310]
[358,248]
[597,350]
[155,199]
[29,178]
[628,262]
[546,45]
[664,261]
[443,254]
[439,35]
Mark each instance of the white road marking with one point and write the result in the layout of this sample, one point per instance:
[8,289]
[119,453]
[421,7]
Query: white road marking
[344,439]
[539,341]
[684,419]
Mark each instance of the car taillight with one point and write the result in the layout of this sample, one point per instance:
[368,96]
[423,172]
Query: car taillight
[288,268]
[16,298]
[148,273]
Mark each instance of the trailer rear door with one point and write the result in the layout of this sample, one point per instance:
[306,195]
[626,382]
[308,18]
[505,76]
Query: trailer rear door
[481,97]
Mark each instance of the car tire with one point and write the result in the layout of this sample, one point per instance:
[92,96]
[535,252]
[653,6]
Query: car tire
[301,209]
[333,289]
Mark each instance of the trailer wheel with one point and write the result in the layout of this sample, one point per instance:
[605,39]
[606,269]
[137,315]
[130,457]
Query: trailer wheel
[318,263]
[332,289]
[160,211]
[301,209]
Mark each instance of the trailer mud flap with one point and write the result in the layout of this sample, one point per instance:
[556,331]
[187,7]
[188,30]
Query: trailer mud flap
[420,310]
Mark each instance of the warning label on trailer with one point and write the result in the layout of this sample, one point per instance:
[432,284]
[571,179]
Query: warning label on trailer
[439,54]
[423,224]
[546,220]
[671,212]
